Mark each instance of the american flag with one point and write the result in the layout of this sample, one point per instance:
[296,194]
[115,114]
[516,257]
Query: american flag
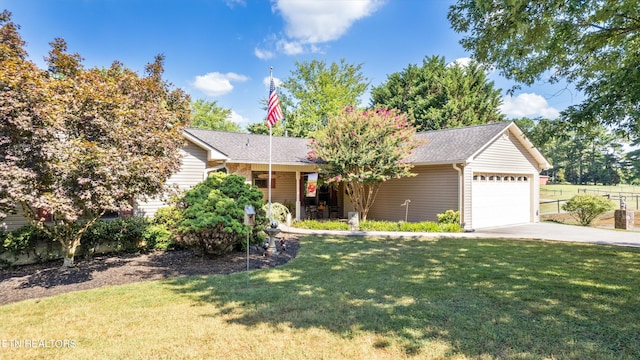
[274,113]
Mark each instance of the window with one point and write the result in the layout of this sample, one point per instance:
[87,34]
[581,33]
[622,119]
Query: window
[261,179]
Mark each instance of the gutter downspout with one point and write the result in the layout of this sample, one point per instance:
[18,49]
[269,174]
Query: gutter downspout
[460,177]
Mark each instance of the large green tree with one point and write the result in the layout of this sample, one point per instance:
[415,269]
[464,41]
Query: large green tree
[439,96]
[208,115]
[579,154]
[590,43]
[76,142]
[314,92]
[362,149]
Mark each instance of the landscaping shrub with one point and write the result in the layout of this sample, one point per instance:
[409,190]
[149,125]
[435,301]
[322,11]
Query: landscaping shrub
[449,217]
[25,241]
[279,212]
[119,235]
[587,207]
[324,225]
[128,234]
[372,225]
[212,214]
[450,228]
[369,225]
[425,226]
[169,216]
[157,236]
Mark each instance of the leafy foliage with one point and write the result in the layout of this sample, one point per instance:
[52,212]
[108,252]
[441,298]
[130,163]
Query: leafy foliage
[591,43]
[581,153]
[449,217]
[127,234]
[208,115]
[313,93]
[279,212]
[362,149]
[587,207]
[76,142]
[157,236]
[425,226]
[322,225]
[123,234]
[212,214]
[440,96]
[23,241]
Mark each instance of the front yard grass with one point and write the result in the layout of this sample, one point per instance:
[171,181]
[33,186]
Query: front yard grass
[361,298]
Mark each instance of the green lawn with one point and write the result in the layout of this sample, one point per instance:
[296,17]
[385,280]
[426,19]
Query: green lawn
[358,298]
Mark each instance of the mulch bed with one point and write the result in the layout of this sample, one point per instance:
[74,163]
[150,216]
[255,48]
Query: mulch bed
[48,279]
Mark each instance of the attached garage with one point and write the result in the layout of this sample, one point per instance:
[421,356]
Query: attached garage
[488,172]
[500,199]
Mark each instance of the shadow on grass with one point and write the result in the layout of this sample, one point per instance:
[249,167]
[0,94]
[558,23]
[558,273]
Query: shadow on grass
[495,298]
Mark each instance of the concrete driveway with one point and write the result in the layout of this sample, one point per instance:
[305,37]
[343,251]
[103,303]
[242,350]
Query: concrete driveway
[538,231]
[560,232]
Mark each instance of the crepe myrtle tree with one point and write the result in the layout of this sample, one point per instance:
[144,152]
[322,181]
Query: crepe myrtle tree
[363,149]
[76,143]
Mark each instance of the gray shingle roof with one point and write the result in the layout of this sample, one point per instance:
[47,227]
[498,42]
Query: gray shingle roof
[441,146]
[252,148]
[455,145]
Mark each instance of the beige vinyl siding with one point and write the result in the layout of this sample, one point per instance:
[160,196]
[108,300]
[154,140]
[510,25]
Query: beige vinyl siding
[433,191]
[465,216]
[194,162]
[13,221]
[285,190]
[505,155]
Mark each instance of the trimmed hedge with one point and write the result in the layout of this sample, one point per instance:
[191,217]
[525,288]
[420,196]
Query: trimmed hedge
[129,234]
[371,225]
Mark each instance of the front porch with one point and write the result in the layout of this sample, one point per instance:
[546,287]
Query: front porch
[289,187]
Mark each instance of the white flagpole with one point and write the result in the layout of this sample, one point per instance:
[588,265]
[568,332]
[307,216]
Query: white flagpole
[270,136]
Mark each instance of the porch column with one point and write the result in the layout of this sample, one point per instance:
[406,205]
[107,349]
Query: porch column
[297,195]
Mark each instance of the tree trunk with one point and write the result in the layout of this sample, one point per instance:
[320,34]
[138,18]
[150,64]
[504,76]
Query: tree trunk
[69,248]
[362,197]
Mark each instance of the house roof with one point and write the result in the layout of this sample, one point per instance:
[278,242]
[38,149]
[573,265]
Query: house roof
[254,148]
[450,146]
[461,145]
[455,145]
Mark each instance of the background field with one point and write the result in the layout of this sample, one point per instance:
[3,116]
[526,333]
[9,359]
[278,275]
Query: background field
[553,196]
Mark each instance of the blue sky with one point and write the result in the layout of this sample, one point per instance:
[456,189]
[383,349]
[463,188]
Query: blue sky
[222,49]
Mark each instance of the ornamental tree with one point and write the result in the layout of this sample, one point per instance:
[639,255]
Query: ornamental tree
[363,149]
[76,143]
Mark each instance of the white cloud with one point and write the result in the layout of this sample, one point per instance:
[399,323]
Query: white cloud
[309,23]
[237,118]
[263,54]
[462,62]
[290,47]
[233,3]
[277,82]
[527,105]
[321,21]
[216,84]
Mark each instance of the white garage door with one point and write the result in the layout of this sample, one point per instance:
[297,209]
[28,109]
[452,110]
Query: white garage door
[500,199]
